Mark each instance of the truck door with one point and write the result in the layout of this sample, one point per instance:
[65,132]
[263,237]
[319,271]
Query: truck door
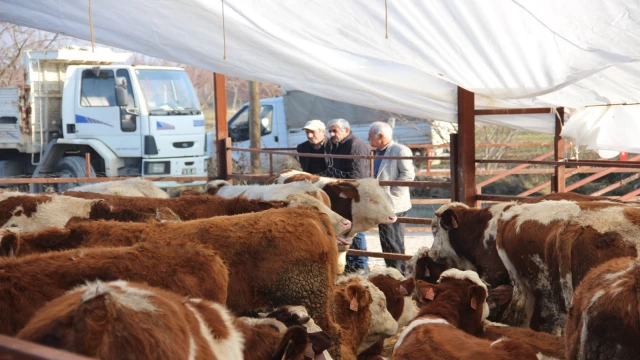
[239,127]
[98,117]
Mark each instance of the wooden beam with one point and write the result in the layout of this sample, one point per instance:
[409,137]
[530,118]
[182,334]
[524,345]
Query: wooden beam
[466,166]
[223,157]
[616,185]
[558,149]
[481,112]
[453,165]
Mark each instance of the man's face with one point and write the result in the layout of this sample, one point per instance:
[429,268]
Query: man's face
[375,141]
[337,134]
[315,137]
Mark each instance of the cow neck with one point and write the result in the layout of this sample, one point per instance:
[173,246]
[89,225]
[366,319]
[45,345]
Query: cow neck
[470,232]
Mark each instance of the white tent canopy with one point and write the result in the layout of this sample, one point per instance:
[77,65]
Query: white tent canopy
[572,53]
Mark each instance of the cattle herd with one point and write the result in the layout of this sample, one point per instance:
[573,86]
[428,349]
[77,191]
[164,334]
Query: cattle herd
[120,270]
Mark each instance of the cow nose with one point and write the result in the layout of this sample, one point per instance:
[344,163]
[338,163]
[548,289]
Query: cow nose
[393,218]
[346,224]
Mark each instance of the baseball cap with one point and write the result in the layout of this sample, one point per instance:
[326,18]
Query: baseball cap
[314,125]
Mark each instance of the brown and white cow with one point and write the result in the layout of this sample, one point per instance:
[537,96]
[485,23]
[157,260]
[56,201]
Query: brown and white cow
[361,313]
[278,192]
[27,283]
[397,290]
[546,346]
[276,257]
[364,201]
[453,313]
[604,318]
[108,320]
[549,247]
[130,187]
[34,212]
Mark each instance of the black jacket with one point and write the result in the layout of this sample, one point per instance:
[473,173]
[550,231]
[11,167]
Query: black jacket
[349,168]
[313,165]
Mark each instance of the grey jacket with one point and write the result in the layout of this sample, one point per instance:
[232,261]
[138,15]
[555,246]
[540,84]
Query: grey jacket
[397,170]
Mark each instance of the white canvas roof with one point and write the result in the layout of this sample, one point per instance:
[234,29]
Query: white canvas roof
[572,53]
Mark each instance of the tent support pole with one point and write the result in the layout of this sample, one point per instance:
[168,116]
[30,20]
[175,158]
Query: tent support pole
[466,149]
[223,156]
[558,179]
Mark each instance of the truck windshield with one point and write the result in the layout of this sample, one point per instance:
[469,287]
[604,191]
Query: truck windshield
[168,92]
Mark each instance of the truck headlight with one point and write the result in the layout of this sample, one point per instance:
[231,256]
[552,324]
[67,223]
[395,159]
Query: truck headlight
[157,168]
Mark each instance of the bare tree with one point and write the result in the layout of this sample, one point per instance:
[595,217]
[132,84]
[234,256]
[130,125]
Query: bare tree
[14,40]
[492,134]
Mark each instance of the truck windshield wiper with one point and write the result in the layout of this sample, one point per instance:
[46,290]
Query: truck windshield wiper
[160,112]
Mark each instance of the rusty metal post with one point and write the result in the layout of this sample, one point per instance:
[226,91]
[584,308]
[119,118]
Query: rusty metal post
[222,129]
[270,164]
[87,165]
[453,165]
[466,149]
[558,180]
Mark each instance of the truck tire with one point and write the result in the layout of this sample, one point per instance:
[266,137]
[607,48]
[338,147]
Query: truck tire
[71,167]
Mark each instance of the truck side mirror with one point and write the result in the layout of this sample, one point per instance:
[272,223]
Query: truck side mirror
[121,92]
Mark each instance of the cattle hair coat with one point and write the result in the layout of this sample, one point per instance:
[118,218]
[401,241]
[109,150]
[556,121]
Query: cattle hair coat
[27,283]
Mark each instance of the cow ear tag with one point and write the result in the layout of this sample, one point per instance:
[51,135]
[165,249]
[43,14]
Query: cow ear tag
[429,294]
[354,304]
[343,195]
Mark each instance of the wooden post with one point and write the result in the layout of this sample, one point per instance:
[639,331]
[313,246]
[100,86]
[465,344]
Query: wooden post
[87,165]
[453,165]
[558,180]
[466,152]
[254,125]
[223,157]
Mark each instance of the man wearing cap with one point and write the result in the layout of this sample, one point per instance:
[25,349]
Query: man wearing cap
[316,144]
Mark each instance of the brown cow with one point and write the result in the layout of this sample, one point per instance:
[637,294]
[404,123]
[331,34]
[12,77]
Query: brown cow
[549,247]
[453,312]
[187,207]
[361,313]
[604,322]
[109,320]
[29,282]
[545,345]
[205,206]
[35,212]
[276,257]
[397,290]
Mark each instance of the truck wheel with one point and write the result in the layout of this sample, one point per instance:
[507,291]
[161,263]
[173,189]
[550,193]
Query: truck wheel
[71,167]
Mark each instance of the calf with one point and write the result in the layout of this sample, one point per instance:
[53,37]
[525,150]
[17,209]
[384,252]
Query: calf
[35,212]
[453,312]
[265,192]
[550,246]
[397,291]
[108,320]
[130,187]
[603,321]
[361,313]
[276,257]
[545,345]
[27,283]
[364,201]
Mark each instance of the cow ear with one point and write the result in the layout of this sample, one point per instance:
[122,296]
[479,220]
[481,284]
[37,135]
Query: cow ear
[9,244]
[427,291]
[478,295]
[449,219]
[356,294]
[407,286]
[348,192]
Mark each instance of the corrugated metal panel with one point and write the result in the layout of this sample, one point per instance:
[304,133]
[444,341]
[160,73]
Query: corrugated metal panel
[9,115]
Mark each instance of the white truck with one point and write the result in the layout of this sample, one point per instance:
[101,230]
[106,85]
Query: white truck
[132,120]
[282,119]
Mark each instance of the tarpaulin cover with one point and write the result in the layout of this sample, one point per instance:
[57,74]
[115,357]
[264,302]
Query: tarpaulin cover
[572,53]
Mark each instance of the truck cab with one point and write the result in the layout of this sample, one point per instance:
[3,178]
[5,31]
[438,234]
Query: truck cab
[133,120]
